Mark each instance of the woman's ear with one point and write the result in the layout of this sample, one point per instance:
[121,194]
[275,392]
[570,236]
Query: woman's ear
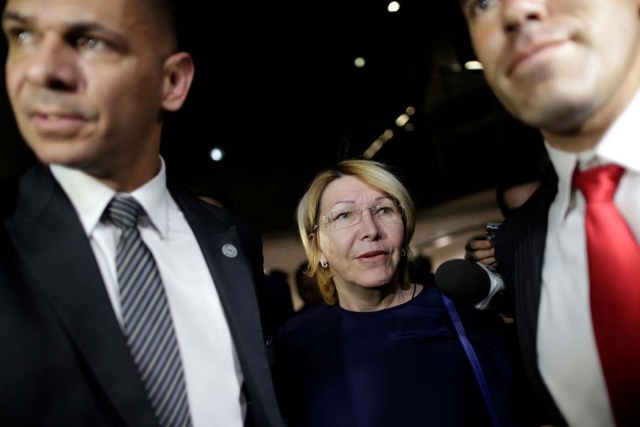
[178,76]
[314,241]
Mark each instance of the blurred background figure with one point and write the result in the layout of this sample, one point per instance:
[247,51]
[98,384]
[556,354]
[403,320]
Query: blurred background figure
[307,287]
[208,189]
[420,269]
[279,295]
[521,180]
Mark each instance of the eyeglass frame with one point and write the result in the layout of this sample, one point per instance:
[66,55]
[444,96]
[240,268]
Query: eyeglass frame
[324,219]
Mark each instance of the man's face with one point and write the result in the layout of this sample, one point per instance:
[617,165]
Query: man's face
[85,80]
[560,65]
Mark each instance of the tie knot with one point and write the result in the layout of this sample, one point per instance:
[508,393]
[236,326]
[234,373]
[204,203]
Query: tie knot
[598,184]
[124,211]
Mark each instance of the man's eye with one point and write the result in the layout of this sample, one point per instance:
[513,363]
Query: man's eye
[91,43]
[483,4]
[24,37]
[477,7]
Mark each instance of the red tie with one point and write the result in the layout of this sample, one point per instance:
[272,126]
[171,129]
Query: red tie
[614,275]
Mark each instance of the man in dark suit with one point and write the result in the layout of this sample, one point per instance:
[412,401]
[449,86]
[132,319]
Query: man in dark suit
[89,83]
[570,68]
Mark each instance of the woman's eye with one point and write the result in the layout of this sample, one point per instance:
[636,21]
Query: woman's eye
[343,215]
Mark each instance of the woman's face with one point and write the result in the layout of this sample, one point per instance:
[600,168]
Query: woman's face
[361,234]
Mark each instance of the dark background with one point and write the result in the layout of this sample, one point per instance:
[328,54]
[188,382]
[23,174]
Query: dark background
[276,88]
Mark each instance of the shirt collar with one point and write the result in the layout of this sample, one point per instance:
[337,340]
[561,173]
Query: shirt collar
[90,197]
[564,163]
[619,145]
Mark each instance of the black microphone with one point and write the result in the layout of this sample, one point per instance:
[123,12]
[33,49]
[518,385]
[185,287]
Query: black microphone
[470,282]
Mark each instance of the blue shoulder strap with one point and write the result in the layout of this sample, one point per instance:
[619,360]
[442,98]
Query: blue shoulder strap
[473,359]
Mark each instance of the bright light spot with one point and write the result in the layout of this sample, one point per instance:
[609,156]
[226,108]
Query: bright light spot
[402,119]
[359,62]
[393,6]
[216,154]
[443,241]
[473,65]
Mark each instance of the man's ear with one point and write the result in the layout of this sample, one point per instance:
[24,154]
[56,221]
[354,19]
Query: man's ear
[178,76]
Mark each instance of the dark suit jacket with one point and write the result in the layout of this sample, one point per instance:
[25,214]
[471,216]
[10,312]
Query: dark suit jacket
[64,360]
[520,246]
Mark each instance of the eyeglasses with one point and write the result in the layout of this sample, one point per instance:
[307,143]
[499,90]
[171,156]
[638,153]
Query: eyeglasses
[338,219]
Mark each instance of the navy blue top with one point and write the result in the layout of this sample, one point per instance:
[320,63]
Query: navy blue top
[399,367]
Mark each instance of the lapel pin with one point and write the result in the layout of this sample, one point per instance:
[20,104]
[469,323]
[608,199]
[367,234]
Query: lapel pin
[229,251]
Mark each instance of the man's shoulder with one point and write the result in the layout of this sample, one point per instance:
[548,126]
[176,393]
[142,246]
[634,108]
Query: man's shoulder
[35,180]
[195,209]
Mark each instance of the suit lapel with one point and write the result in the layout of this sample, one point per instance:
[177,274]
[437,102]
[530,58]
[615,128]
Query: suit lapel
[524,244]
[232,272]
[57,253]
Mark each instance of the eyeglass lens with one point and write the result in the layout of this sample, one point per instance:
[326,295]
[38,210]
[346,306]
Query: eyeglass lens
[343,218]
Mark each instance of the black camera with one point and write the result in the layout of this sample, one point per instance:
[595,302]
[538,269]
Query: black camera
[491,229]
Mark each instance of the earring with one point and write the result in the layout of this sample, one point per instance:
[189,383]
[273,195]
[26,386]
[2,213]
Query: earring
[403,252]
[324,263]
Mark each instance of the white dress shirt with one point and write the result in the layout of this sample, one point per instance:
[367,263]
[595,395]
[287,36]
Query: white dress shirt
[567,352]
[212,371]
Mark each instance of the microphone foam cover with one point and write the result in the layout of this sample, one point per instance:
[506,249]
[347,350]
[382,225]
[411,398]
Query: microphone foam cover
[463,281]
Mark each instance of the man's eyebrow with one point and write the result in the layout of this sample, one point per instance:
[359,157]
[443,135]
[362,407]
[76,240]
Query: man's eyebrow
[8,15]
[85,27]
[80,27]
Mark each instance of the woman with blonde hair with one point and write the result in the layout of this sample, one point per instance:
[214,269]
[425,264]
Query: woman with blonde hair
[382,351]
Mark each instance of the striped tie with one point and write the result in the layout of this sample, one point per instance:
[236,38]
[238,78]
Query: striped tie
[146,318]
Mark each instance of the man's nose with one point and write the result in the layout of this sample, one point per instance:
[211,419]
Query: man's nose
[52,63]
[519,13]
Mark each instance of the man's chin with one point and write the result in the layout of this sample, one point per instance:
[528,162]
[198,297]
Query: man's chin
[58,152]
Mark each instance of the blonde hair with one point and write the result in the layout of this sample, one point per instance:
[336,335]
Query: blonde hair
[373,173]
